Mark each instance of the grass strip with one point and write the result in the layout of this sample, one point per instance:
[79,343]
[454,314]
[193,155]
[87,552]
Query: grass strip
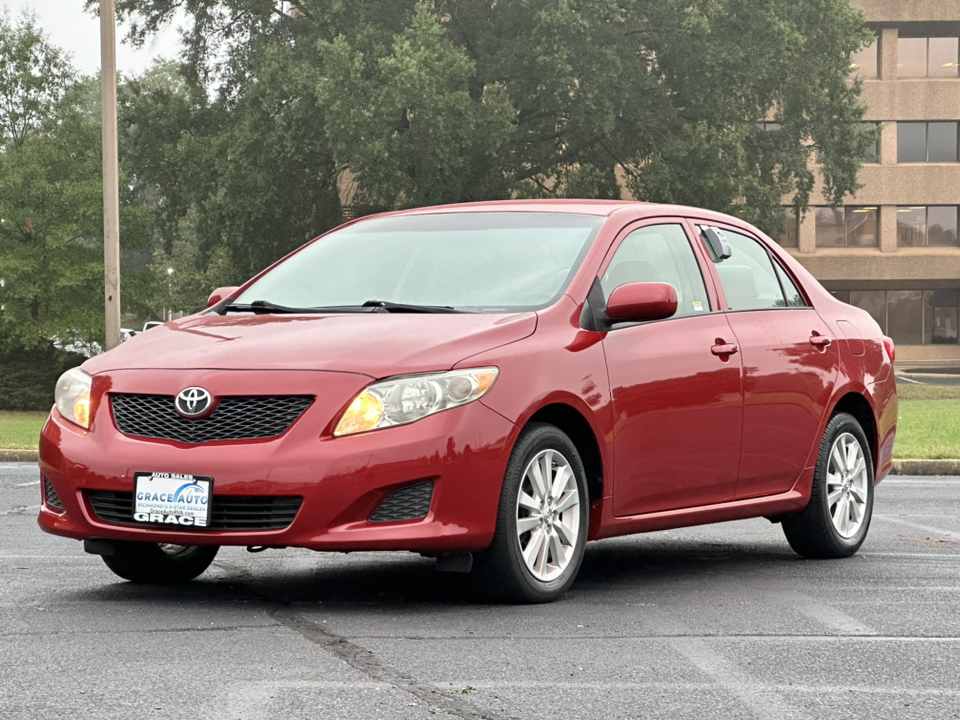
[20,430]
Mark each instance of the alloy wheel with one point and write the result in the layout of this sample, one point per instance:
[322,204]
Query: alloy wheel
[548,515]
[847,480]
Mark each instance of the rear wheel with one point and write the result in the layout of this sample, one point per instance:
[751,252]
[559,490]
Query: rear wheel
[542,521]
[159,563]
[835,522]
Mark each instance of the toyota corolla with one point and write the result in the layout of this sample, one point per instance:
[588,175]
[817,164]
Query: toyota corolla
[490,384]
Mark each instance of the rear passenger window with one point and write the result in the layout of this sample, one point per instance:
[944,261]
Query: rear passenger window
[794,298]
[752,280]
[659,253]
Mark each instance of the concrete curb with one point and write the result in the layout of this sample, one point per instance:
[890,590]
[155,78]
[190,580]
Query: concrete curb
[18,456]
[926,467]
[900,467]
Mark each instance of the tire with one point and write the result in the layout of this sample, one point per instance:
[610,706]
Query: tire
[159,563]
[836,520]
[541,532]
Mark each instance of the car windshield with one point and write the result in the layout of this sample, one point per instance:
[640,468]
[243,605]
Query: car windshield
[479,262]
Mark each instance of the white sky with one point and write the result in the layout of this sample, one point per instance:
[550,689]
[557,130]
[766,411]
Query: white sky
[70,28]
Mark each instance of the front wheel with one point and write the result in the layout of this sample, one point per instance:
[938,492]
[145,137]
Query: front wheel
[835,522]
[159,563]
[542,522]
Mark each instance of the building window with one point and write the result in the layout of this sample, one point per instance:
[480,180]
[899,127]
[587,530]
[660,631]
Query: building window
[940,317]
[790,237]
[872,155]
[873,152]
[920,226]
[927,142]
[847,227]
[935,57]
[864,63]
[830,227]
[905,316]
[911,317]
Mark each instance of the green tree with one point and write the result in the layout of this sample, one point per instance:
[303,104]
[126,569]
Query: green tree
[51,201]
[49,194]
[433,101]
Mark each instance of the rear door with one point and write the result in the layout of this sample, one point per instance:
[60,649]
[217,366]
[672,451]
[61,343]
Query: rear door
[676,383]
[790,364]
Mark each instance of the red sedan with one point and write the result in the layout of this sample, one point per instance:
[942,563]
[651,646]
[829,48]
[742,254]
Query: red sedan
[492,384]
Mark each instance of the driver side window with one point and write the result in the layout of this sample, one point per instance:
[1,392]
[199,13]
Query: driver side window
[659,253]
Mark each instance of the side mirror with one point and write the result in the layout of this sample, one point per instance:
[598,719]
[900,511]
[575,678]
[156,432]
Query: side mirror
[642,301]
[221,293]
[718,243]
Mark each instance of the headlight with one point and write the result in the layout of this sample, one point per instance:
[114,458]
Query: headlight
[73,396]
[406,400]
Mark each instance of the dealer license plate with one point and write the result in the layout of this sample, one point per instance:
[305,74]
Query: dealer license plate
[172,499]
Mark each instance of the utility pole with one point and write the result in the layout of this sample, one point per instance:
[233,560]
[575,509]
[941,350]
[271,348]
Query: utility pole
[111,173]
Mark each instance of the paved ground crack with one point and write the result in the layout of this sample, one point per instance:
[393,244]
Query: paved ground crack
[357,657]
[366,662]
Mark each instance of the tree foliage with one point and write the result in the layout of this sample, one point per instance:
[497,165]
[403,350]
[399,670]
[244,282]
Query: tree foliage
[437,101]
[49,193]
[51,200]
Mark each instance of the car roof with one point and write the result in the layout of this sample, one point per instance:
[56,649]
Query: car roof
[599,208]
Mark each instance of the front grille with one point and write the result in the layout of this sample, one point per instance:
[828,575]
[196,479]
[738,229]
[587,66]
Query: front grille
[50,496]
[239,417]
[230,512]
[408,503]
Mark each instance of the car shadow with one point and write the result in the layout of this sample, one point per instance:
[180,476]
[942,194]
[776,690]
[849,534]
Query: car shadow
[641,563]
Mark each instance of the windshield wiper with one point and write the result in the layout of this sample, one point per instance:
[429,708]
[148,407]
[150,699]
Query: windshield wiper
[405,308]
[263,307]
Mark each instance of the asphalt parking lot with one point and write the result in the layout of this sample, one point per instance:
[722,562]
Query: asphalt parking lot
[713,622]
[926,378]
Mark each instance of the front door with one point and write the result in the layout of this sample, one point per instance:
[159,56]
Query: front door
[675,383]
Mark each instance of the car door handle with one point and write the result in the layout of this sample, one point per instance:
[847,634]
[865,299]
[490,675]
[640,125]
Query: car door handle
[820,341]
[724,349]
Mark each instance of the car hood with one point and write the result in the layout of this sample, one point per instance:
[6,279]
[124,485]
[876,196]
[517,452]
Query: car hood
[375,344]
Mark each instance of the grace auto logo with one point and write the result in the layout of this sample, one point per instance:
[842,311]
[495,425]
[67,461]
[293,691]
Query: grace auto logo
[191,493]
[194,402]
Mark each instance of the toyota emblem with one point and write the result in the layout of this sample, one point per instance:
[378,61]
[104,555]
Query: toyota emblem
[193,402]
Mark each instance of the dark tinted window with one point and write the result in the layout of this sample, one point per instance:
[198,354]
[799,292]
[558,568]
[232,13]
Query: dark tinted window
[912,316]
[904,316]
[874,302]
[872,156]
[927,142]
[942,142]
[911,142]
[940,317]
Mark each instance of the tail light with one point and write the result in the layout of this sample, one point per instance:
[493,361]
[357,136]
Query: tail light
[889,347]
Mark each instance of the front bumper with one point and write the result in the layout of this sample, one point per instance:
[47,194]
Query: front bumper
[463,452]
